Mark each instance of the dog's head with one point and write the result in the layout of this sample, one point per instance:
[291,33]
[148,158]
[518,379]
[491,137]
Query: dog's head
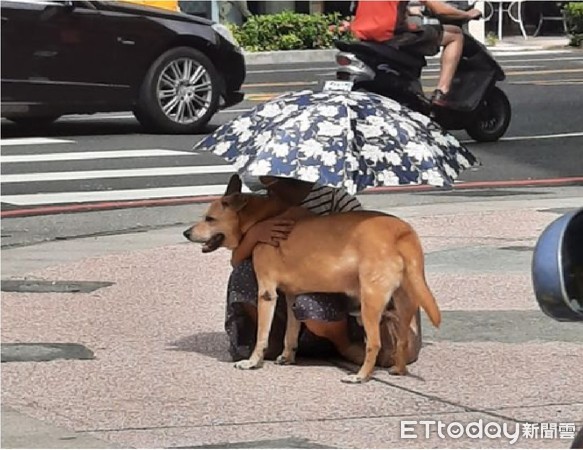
[230,217]
[220,226]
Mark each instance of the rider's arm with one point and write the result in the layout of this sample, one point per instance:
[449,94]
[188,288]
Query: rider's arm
[440,8]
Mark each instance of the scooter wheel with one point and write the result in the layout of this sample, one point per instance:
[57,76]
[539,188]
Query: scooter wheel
[492,117]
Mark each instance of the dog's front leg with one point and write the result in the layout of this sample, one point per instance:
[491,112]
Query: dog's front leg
[265,311]
[292,332]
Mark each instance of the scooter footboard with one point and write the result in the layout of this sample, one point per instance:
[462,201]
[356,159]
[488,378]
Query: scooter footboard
[467,91]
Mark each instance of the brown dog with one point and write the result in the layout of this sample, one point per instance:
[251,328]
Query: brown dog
[369,256]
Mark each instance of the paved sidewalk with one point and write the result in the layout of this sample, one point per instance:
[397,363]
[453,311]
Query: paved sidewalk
[159,375]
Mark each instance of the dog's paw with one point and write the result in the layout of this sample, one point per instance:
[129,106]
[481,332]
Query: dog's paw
[284,360]
[398,372]
[353,379]
[246,364]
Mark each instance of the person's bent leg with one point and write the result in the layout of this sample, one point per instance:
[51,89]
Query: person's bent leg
[241,315]
[325,318]
[337,332]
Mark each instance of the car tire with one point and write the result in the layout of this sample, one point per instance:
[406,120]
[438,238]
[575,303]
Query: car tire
[34,121]
[168,102]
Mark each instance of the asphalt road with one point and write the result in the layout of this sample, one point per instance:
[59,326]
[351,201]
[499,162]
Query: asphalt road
[59,170]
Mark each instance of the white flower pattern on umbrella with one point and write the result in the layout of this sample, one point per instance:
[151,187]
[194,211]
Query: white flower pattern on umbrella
[353,140]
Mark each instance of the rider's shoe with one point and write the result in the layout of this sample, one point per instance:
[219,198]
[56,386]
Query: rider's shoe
[439,98]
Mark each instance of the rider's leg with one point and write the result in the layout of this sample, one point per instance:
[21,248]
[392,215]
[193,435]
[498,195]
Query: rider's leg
[453,42]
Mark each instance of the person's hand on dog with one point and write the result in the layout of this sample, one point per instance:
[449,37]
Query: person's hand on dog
[272,231]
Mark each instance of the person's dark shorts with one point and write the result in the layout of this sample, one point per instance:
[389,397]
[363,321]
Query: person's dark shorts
[425,41]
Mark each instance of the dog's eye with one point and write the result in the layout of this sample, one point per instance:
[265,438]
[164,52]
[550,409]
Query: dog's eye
[209,219]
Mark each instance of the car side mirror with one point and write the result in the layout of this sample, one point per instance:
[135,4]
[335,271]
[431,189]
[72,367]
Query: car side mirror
[53,10]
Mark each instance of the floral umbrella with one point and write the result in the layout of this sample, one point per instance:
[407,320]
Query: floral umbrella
[343,139]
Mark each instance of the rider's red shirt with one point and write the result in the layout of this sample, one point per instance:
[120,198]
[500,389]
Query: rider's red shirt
[379,20]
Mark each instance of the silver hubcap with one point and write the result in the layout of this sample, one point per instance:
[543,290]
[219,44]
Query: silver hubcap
[184,91]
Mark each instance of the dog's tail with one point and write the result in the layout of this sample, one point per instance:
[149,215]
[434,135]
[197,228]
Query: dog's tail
[414,282]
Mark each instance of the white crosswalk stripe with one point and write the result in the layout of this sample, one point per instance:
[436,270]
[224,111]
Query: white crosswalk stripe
[109,196]
[35,188]
[90,155]
[117,173]
[33,141]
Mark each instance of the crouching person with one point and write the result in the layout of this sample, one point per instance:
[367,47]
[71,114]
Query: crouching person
[329,326]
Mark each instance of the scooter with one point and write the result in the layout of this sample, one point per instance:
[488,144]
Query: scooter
[475,103]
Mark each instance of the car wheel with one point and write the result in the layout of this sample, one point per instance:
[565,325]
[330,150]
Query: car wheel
[34,121]
[180,92]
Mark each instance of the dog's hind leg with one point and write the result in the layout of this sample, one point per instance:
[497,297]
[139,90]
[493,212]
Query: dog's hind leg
[266,304]
[376,290]
[292,333]
[373,303]
[405,310]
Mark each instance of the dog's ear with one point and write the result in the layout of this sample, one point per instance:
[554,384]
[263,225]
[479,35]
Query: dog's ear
[236,202]
[234,186]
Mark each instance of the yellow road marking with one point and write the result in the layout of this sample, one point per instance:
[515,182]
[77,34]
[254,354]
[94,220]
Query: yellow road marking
[282,84]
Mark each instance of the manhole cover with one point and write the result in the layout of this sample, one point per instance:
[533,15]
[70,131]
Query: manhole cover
[519,248]
[481,193]
[47,286]
[37,352]
[271,443]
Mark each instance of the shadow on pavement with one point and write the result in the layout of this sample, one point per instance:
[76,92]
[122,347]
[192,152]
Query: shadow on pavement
[213,344]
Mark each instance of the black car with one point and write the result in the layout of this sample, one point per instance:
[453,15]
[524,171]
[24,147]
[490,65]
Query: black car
[173,70]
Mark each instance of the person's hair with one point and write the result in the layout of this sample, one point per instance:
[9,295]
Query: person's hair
[292,182]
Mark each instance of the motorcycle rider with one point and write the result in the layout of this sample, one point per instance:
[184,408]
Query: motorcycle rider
[389,20]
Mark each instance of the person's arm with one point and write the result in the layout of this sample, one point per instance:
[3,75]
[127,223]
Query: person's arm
[266,232]
[242,5]
[440,8]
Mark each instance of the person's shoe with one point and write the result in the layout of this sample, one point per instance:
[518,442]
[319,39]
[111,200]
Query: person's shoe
[439,98]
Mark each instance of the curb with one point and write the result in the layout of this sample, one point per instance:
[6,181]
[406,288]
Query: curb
[205,199]
[308,56]
[289,56]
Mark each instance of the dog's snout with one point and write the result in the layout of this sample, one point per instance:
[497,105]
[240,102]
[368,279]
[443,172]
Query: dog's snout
[186,233]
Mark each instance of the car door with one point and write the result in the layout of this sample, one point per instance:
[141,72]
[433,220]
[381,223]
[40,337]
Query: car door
[21,44]
[64,54]
[78,56]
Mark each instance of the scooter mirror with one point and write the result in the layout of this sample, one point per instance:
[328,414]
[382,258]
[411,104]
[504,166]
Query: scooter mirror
[557,268]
